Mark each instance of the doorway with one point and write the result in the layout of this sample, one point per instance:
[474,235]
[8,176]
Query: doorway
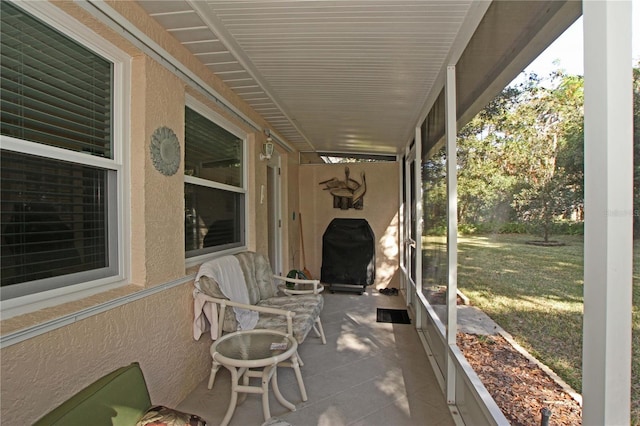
[411,230]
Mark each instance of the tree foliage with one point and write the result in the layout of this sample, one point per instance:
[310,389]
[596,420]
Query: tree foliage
[521,158]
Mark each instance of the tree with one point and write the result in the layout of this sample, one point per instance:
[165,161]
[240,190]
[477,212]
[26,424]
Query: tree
[522,156]
[434,199]
[485,186]
[553,185]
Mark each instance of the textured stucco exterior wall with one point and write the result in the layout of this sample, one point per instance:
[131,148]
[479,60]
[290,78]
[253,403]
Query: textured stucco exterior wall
[380,210]
[39,373]
[157,234]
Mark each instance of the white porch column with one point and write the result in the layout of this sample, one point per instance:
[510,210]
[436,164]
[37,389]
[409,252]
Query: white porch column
[419,222]
[606,371]
[452,226]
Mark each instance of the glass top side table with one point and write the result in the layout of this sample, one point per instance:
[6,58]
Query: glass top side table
[255,353]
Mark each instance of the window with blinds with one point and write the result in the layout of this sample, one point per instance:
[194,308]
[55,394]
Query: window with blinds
[214,194]
[211,152]
[54,91]
[55,215]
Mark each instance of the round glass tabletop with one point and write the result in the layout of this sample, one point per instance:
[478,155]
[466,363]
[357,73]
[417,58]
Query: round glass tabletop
[253,345]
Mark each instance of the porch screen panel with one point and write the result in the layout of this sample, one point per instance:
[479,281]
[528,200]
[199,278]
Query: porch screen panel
[435,268]
[54,91]
[435,220]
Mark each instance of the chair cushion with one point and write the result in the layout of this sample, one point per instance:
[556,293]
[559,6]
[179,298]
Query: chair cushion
[210,287]
[257,275]
[307,308]
[119,398]
[263,292]
[163,416]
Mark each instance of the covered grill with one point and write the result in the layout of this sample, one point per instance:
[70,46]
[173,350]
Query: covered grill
[348,255]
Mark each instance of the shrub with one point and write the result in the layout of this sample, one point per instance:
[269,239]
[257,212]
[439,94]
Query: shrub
[559,228]
[515,228]
[568,228]
[467,229]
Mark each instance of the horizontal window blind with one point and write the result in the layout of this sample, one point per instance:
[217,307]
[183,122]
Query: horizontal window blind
[53,91]
[58,222]
[211,152]
[214,219]
[53,218]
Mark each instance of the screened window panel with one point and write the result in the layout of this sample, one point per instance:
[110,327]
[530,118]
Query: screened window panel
[53,91]
[212,152]
[213,219]
[54,218]
[435,266]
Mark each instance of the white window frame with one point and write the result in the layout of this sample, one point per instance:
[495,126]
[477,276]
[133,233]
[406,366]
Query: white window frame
[58,19]
[219,120]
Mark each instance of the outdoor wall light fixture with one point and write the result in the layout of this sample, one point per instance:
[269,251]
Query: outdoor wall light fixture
[267,150]
[267,147]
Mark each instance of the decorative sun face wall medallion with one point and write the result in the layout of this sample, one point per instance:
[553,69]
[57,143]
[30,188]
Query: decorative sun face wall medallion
[165,151]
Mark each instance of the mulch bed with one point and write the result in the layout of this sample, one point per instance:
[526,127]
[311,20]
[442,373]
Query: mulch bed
[437,295]
[519,387]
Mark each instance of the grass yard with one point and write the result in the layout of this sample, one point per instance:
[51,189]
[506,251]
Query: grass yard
[535,293]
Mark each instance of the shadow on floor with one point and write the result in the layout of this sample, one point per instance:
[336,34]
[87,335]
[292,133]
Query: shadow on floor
[368,373]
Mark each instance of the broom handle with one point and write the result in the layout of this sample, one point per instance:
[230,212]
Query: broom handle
[304,260]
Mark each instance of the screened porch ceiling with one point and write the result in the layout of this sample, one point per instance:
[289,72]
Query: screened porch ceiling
[356,76]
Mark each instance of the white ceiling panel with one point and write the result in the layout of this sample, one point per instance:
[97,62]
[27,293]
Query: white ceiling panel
[177,20]
[344,76]
[212,47]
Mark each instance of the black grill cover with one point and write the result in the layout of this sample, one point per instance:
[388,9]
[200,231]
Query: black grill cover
[348,253]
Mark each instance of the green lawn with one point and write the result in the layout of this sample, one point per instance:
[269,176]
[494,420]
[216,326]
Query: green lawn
[535,293]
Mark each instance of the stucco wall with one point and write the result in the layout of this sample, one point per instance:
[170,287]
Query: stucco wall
[41,372]
[157,231]
[380,210]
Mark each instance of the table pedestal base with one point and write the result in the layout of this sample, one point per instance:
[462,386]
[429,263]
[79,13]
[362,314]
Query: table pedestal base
[268,374]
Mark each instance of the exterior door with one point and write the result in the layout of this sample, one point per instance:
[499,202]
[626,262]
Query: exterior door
[412,213]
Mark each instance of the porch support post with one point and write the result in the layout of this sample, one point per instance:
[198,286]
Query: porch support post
[402,236]
[452,226]
[606,369]
[417,199]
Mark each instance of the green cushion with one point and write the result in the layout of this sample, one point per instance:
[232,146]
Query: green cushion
[119,398]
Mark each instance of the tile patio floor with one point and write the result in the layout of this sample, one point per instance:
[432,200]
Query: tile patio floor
[367,374]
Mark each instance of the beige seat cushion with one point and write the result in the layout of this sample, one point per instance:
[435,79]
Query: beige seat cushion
[262,292]
[307,308]
[209,286]
[257,275]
